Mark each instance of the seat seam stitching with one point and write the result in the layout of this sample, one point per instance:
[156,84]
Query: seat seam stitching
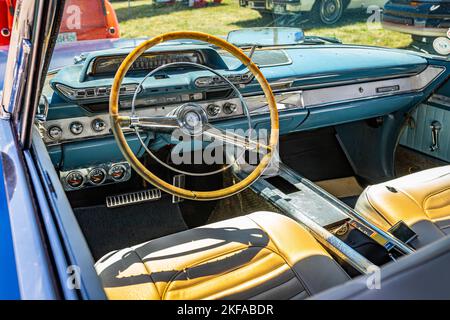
[220,255]
[432,195]
[148,272]
[286,281]
[373,205]
[307,289]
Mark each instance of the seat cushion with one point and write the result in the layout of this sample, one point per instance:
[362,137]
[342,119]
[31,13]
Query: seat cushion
[262,256]
[421,200]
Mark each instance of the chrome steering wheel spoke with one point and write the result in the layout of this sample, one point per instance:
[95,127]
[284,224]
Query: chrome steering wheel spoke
[231,138]
[165,124]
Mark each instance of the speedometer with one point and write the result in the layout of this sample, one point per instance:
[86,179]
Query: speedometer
[109,64]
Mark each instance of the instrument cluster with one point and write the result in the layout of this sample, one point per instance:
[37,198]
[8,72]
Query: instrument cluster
[95,176]
[107,65]
[96,126]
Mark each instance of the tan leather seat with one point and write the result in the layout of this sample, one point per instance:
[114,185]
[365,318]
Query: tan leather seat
[263,256]
[421,200]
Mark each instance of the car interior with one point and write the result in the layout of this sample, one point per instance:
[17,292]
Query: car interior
[354,176]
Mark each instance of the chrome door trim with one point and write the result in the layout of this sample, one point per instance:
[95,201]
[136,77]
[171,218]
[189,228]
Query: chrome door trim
[34,271]
[77,252]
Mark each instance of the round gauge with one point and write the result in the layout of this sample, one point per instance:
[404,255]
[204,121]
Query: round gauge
[75,179]
[55,132]
[118,172]
[76,128]
[97,176]
[442,46]
[192,119]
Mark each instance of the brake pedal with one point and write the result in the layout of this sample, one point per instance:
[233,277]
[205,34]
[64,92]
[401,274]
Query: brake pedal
[133,198]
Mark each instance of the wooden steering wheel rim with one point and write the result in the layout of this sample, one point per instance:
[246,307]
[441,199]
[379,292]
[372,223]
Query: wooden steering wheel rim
[116,119]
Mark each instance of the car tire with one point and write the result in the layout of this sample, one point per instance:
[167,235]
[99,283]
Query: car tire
[265,14]
[327,12]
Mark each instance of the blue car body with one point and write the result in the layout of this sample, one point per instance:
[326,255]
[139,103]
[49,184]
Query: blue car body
[40,238]
[430,18]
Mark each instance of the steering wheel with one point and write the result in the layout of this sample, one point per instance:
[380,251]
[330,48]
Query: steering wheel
[191,118]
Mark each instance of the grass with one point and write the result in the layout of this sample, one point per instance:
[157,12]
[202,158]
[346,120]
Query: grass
[146,20]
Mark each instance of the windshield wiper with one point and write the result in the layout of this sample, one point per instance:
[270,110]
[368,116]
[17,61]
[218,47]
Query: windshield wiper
[308,40]
[321,40]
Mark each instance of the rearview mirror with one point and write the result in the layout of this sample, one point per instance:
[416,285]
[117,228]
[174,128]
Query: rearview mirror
[266,37]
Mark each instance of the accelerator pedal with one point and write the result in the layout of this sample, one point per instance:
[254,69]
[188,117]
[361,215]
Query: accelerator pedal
[133,198]
[179,181]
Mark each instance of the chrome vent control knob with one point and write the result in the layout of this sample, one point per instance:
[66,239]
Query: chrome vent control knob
[229,108]
[76,128]
[98,125]
[213,110]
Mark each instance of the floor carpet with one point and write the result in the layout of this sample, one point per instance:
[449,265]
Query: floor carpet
[109,229]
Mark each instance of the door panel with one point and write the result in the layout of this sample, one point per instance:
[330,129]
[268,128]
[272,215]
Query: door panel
[418,132]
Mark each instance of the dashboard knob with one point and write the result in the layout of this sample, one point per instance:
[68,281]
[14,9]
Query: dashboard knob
[55,132]
[76,128]
[98,125]
[213,110]
[229,107]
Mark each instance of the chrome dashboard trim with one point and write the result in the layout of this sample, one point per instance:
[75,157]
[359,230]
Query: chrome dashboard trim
[286,100]
[440,99]
[89,132]
[315,98]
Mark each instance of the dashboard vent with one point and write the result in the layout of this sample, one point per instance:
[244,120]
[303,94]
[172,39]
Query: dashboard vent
[220,94]
[97,107]
[267,58]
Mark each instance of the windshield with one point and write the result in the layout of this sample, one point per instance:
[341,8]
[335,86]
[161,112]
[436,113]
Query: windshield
[89,25]
[391,24]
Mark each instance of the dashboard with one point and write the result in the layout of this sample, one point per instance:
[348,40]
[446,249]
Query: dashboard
[314,86]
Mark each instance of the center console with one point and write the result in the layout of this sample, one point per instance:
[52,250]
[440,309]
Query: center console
[353,240]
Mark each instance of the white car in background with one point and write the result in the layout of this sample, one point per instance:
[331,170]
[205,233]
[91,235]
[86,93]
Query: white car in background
[327,12]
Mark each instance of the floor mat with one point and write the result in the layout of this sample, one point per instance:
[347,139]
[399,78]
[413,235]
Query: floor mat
[109,229]
[350,201]
[341,187]
[408,161]
[315,154]
[245,202]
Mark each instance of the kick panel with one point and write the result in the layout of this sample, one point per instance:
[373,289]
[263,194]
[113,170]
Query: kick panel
[428,130]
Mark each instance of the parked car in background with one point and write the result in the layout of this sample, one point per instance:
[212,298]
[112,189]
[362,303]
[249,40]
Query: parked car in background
[424,20]
[6,20]
[258,5]
[88,20]
[82,20]
[189,3]
[327,12]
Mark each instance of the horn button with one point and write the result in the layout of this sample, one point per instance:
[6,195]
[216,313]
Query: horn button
[192,118]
